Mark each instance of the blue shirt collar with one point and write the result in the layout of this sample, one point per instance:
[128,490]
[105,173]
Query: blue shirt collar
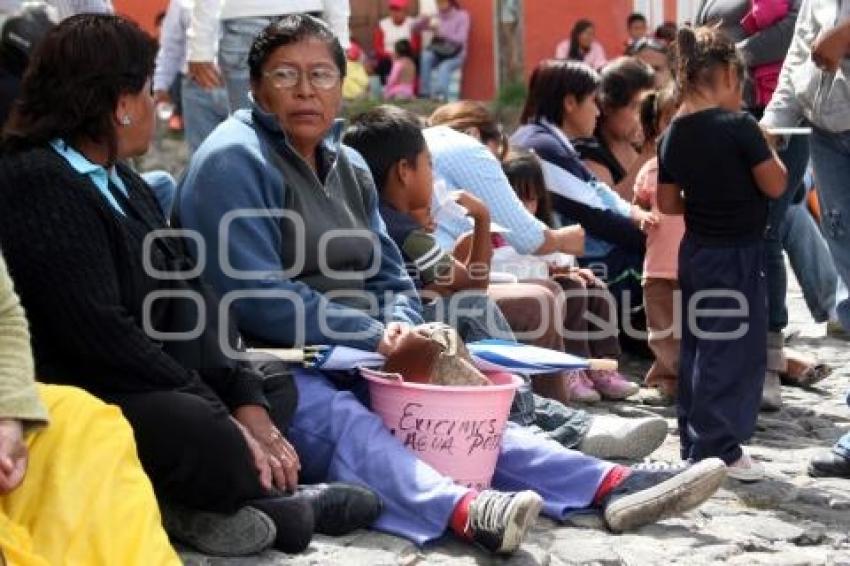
[98,174]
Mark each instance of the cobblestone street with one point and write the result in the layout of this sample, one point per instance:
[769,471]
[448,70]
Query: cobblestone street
[789,520]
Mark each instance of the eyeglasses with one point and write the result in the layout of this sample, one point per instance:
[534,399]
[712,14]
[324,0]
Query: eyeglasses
[288,76]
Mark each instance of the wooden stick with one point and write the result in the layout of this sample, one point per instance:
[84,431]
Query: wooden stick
[601,364]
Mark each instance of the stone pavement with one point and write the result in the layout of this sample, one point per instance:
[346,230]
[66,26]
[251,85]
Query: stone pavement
[788,521]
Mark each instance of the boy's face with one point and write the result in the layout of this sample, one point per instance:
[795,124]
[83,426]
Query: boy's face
[420,182]
[637,29]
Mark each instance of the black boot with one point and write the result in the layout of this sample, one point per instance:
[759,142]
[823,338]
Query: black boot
[293,519]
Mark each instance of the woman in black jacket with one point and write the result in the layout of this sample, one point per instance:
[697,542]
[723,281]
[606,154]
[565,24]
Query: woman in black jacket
[76,234]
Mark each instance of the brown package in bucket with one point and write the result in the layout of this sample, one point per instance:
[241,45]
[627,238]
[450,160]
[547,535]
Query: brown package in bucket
[434,353]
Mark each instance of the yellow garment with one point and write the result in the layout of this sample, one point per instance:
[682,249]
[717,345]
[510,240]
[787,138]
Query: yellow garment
[356,83]
[85,499]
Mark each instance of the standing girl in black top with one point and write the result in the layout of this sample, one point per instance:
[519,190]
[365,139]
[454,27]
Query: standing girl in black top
[716,167]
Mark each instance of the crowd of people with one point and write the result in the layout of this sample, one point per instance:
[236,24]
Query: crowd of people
[664,181]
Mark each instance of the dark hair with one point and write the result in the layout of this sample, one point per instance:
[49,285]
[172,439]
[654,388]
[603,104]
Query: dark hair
[466,114]
[701,51]
[403,48]
[635,17]
[288,30]
[622,79]
[653,106]
[525,174]
[74,80]
[550,83]
[384,136]
[579,28]
[666,32]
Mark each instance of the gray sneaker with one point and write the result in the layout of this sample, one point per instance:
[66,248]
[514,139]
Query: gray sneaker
[650,494]
[246,532]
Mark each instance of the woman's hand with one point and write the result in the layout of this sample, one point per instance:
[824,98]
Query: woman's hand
[13,455]
[393,334]
[831,47]
[161,96]
[643,219]
[283,462]
[206,75]
[570,239]
[590,279]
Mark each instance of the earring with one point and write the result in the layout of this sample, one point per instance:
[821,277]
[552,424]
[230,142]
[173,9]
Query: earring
[126,120]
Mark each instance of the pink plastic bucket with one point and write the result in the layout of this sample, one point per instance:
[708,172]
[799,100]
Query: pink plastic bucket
[457,430]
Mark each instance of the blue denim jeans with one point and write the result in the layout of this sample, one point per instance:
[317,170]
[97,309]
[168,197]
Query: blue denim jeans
[203,110]
[831,160]
[795,157]
[429,63]
[237,35]
[809,257]
[842,447]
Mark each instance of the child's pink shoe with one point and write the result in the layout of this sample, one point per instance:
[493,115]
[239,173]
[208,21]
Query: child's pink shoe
[612,385]
[580,388]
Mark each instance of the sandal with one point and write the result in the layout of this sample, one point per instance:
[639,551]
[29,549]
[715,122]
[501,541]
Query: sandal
[803,370]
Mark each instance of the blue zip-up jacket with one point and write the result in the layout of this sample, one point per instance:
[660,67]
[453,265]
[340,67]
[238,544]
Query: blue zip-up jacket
[234,170]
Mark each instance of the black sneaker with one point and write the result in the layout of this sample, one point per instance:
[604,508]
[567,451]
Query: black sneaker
[498,521]
[246,532]
[340,508]
[293,518]
[650,495]
[828,464]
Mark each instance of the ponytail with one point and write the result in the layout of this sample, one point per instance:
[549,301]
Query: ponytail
[699,52]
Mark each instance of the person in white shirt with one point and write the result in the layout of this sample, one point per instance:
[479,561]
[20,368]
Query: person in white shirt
[203,109]
[237,23]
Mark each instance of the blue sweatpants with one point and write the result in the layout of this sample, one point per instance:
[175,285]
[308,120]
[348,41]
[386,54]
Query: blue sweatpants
[339,439]
[724,347]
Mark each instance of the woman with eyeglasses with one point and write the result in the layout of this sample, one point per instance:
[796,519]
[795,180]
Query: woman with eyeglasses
[294,237]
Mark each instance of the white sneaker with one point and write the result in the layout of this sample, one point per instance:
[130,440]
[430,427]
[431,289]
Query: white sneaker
[619,438]
[745,469]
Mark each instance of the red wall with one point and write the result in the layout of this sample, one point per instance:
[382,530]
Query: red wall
[144,12]
[479,72]
[548,22]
